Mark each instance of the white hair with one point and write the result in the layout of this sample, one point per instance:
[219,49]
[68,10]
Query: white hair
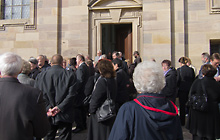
[10,64]
[104,56]
[148,77]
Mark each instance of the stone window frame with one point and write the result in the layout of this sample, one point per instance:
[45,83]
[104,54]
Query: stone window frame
[214,8]
[28,24]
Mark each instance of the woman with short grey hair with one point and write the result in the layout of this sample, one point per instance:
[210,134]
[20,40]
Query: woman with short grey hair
[23,76]
[149,78]
[150,116]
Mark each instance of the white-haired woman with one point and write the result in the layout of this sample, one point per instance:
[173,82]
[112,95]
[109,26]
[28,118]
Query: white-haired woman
[150,116]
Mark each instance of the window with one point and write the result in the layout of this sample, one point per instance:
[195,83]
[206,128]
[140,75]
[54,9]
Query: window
[214,46]
[16,9]
[214,6]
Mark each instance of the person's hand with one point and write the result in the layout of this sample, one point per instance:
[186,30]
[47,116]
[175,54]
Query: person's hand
[55,111]
[217,78]
[49,112]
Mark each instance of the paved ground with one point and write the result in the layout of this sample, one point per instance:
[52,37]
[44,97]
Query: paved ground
[82,135]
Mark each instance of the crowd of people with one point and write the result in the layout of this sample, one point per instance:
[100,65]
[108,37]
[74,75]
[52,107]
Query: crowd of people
[41,96]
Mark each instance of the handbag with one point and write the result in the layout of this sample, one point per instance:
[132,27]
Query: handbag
[199,101]
[107,109]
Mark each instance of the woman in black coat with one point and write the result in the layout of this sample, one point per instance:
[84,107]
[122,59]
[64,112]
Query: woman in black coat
[101,130]
[185,78]
[206,125]
[170,89]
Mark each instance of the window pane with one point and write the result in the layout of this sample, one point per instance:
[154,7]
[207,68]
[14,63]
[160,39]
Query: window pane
[16,12]
[7,13]
[17,2]
[8,2]
[25,12]
[26,2]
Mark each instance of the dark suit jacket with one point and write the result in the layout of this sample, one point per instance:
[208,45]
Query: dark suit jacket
[170,89]
[82,74]
[59,89]
[185,78]
[122,90]
[22,110]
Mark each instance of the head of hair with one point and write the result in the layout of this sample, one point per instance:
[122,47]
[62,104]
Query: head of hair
[117,61]
[57,59]
[148,77]
[81,57]
[42,56]
[183,60]
[215,56]
[89,63]
[136,52]
[168,62]
[116,54]
[73,61]
[208,70]
[33,60]
[10,64]
[104,56]
[206,55]
[188,60]
[106,68]
[26,69]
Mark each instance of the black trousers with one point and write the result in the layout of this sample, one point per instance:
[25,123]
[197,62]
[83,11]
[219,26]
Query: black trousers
[183,98]
[80,117]
[65,131]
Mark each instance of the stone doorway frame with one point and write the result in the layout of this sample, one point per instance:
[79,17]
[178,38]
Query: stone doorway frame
[114,15]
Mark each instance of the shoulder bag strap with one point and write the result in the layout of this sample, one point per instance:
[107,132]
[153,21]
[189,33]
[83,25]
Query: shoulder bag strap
[108,92]
[203,88]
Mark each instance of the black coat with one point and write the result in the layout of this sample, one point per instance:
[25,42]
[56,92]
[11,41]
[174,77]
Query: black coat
[33,74]
[101,131]
[122,90]
[22,109]
[206,124]
[59,88]
[170,89]
[185,78]
[82,74]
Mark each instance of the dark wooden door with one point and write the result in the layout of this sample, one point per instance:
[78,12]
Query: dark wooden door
[124,40]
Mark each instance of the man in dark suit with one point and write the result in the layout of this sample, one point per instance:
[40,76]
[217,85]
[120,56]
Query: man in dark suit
[22,108]
[58,86]
[82,74]
[122,83]
[42,64]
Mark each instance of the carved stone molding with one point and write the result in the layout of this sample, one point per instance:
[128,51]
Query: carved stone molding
[115,12]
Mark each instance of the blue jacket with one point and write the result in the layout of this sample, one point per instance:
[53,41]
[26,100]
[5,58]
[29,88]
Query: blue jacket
[150,118]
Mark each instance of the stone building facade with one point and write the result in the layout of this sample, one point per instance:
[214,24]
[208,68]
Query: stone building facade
[160,29]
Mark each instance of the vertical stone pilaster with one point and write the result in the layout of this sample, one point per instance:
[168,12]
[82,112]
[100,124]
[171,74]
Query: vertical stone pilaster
[1,9]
